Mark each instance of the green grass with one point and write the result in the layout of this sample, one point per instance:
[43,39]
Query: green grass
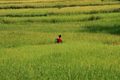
[54,5]
[86,61]
[60,18]
[56,11]
[91,40]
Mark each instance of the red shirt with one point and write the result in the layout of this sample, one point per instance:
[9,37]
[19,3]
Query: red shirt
[59,40]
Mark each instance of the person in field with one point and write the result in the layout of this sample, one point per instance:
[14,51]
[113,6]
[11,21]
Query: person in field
[59,39]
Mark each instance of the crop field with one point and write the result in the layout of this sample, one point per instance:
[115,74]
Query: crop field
[90,32]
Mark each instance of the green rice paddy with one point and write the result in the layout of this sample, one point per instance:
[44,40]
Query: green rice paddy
[90,31]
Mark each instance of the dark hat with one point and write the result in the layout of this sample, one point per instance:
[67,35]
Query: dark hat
[59,35]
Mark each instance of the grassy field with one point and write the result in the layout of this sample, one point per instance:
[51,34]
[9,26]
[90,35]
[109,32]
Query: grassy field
[90,31]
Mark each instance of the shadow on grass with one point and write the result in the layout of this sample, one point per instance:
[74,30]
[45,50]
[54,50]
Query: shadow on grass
[113,29]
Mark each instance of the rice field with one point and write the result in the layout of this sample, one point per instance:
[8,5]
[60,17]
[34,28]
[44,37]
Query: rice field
[90,31]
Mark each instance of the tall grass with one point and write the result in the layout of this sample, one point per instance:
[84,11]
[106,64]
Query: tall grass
[90,48]
[63,11]
[85,61]
[53,5]
[59,18]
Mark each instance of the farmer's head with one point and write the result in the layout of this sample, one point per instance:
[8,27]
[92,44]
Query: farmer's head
[59,36]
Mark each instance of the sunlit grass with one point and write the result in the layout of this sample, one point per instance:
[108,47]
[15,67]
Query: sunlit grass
[65,61]
[90,33]
[56,11]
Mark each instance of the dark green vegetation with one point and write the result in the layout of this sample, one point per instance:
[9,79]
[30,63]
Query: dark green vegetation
[90,31]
